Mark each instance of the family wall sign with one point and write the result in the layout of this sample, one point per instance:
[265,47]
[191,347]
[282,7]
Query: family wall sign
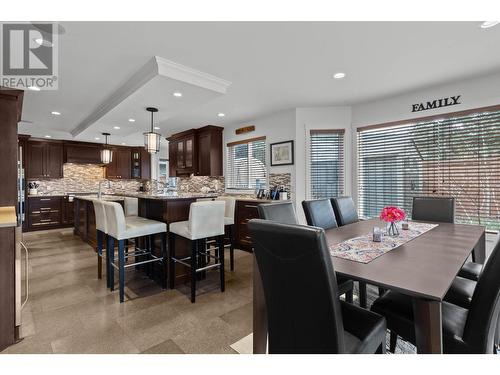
[436,103]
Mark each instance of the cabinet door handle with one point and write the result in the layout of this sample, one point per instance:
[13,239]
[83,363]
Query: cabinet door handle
[45,199]
[250,206]
[45,220]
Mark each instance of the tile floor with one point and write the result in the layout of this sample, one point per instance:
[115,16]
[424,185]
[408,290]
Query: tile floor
[71,311]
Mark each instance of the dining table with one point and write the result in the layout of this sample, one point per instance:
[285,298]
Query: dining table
[423,269]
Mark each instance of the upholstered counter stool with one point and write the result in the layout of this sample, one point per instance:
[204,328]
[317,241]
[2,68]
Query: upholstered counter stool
[101,236]
[228,225]
[206,220]
[121,228]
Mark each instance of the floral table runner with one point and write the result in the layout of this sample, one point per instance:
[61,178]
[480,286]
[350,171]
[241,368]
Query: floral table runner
[362,249]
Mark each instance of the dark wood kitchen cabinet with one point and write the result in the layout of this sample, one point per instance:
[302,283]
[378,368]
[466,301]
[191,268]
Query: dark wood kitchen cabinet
[196,151]
[44,212]
[44,159]
[121,165]
[141,163]
[82,153]
[245,210]
[68,211]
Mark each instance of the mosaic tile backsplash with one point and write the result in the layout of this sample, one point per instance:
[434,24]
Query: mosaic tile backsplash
[84,178]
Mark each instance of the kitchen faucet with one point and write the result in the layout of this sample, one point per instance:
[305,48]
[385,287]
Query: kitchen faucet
[99,193]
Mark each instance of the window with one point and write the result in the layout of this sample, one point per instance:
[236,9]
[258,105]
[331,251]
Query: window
[246,164]
[326,165]
[456,155]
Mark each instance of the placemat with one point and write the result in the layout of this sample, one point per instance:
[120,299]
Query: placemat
[362,249]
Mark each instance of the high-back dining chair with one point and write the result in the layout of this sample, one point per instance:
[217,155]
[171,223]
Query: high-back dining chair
[470,330]
[439,209]
[101,236]
[442,209]
[319,213]
[345,210]
[304,312]
[282,212]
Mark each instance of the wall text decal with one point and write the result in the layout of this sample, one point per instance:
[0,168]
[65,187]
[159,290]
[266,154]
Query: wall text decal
[246,129]
[436,103]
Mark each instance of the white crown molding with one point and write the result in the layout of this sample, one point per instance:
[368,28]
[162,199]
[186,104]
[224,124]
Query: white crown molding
[192,76]
[156,66]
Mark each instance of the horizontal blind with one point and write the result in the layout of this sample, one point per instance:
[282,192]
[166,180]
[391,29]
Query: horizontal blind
[246,164]
[456,155]
[326,163]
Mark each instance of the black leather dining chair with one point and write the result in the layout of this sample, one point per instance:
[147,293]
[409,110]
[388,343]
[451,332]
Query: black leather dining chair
[282,212]
[346,213]
[438,209]
[345,210]
[319,213]
[442,209]
[304,312]
[471,330]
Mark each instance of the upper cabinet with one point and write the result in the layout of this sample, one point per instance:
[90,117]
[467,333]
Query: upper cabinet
[196,151]
[44,159]
[141,163]
[121,164]
[82,153]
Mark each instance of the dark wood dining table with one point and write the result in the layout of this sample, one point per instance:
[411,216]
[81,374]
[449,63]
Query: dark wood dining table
[422,268]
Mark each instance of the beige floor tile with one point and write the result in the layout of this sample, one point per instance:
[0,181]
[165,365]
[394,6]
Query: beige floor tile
[166,347]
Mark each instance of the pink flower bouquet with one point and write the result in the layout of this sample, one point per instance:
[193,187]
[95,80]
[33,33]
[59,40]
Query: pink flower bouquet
[392,214]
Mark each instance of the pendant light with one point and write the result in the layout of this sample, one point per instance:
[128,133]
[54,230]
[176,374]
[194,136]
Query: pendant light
[106,152]
[152,139]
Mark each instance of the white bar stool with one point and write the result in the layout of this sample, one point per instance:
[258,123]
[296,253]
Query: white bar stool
[121,228]
[229,224]
[131,206]
[102,233]
[206,219]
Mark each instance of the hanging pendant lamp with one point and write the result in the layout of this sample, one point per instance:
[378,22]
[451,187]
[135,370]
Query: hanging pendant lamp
[152,139]
[106,152]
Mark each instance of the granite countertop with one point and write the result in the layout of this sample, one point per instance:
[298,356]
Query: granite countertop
[8,217]
[105,197]
[168,196]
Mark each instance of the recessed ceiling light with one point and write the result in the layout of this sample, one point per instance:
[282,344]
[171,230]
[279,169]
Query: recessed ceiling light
[157,128]
[339,75]
[177,94]
[131,120]
[33,88]
[221,114]
[48,136]
[97,138]
[116,127]
[43,42]
[123,143]
[55,113]
[488,24]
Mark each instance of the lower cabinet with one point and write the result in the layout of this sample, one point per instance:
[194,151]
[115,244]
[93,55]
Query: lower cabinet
[245,211]
[49,212]
[44,213]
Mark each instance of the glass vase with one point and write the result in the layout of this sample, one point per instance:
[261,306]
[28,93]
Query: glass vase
[392,229]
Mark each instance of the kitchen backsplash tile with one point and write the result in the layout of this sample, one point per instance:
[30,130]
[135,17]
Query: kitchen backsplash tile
[83,178]
[281,179]
[194,184]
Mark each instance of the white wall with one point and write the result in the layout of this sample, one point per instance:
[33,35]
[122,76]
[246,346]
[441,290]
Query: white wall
[475,93]
[276,127]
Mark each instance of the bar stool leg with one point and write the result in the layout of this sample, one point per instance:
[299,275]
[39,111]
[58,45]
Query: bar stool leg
[164,261]
[171,250]
[111,252]
[194,262]
[220,241]
[99,254]
[231,247]
[121,267]
[149,257]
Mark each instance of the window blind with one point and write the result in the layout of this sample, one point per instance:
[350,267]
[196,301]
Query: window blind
[246,164]
[326,163]
[456,155]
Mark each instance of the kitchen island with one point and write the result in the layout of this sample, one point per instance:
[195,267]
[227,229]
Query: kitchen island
[167,208]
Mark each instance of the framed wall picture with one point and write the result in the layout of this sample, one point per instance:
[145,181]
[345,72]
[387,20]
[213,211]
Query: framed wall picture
[282,153]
